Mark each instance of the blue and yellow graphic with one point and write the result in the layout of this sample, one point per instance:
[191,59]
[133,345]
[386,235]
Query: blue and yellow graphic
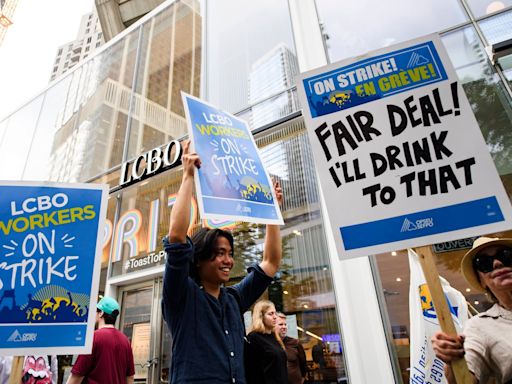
[375,78]
[48,305]
[427,305]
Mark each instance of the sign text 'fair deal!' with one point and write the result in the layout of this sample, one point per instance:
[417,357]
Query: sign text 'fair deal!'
[400,156]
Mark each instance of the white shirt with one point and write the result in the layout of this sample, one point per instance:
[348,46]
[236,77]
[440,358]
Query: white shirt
[5,369]
[488,345]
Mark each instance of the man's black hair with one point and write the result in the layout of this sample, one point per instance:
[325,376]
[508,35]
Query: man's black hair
[204,247]
[109,319]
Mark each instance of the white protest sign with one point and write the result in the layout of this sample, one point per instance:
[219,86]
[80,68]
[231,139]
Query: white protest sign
[401,159]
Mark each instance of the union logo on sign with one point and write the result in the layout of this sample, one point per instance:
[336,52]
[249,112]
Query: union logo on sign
[17,337]
[408,225]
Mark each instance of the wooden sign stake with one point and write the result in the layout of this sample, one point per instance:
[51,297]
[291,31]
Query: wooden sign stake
[460,367]
[16,370]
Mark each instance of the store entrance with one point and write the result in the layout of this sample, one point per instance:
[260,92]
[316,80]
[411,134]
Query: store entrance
[141,321]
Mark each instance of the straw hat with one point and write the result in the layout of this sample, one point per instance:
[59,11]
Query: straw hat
[466,265]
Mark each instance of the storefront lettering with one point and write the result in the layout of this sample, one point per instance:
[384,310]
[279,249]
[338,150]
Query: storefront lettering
[155,160]
[131,237]
[143,262]
[454,245]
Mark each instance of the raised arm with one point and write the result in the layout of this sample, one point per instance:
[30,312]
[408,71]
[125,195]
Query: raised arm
[180,214]
[272,252]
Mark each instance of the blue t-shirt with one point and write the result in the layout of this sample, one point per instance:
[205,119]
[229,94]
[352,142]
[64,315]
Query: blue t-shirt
[207,333]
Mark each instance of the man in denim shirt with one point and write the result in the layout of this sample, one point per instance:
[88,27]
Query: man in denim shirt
[204,317]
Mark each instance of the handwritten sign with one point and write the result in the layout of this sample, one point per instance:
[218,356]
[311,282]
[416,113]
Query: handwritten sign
[49,266]
[401,159]
[232,182]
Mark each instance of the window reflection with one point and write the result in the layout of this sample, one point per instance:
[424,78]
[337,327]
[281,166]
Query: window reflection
[13,151]
[248,46]
[88,132]
[356,27]
[485,93]
[486,7]
[170,62]
[497,28]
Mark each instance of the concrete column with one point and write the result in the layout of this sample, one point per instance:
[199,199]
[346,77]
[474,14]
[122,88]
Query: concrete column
[110,18]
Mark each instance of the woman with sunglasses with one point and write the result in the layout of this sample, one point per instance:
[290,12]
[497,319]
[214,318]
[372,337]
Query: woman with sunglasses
[487,340]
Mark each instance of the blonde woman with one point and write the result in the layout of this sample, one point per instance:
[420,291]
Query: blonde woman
[265,358]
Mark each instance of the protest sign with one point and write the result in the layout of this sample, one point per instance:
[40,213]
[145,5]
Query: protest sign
[232,182]
[425,367]
[400,157]
[49,266]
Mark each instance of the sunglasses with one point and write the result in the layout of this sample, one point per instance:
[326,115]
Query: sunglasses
[485,263]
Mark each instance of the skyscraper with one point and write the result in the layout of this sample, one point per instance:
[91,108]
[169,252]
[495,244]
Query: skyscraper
[272,74]
[89,38]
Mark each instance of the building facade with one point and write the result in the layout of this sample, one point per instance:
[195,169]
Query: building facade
[89,38]
[7,8]
[124,100]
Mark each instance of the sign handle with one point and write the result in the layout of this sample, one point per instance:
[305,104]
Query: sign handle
[460,367]
[16,369]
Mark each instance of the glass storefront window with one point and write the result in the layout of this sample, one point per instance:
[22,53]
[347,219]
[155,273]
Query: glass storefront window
[136,325]
[303,288]
[356,27]
[143,221]
[250,57]
[506,65]
[104,111]
[497,28]
[486,7]
[170,62]
[485,93]
[43,162]
[16,139]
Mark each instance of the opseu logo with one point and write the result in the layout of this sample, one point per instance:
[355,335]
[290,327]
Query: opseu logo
[408,225]
[17,337]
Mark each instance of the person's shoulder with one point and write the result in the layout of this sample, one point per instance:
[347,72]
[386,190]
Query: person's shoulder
[108,332]
[254,336]
[290,341]
[491,313]
[478,324]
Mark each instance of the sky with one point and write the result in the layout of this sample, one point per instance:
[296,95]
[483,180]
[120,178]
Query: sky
[30,45]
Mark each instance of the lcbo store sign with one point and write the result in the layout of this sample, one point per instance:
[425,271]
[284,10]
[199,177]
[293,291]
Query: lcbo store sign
[150,163]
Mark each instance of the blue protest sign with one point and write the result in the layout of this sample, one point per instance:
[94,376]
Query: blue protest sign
[374,78]
[49,266]
[232,182]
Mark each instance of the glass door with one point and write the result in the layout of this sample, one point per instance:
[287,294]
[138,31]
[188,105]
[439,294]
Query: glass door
[141,323]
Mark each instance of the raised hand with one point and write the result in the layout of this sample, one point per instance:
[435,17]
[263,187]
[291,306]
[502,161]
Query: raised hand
[190,160]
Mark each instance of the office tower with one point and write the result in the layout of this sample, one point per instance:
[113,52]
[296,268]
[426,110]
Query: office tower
[89,38]
[270,76]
